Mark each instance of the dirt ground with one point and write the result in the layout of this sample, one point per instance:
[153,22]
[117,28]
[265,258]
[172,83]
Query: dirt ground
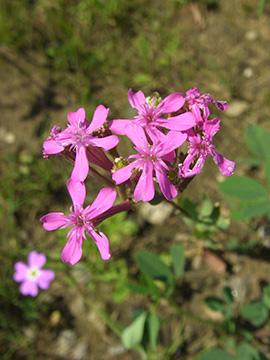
[234,42]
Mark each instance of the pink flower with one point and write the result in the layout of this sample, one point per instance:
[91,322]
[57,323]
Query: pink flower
[82,221]
[150,113]
[152,161]
[79,135]
[200,146]
[32,276]
[198,104]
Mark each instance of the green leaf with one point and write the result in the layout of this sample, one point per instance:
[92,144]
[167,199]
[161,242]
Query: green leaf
[258,141]
[132,335]
[206,208]
[266,296]
[153,323]
[215,354]
[138,289]
[250,161]
[260,208]
[215,303]
[178,259]
[243,188]
[267,170]
[151,265]
[247,352]
[227,295]
[256,313]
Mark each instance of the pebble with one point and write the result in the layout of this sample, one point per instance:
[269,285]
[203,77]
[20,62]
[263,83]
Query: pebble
[251,35]
[248,72]
[156,214]
[65,343]
[237,108]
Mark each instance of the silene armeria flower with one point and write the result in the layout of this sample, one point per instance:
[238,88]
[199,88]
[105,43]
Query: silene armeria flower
[198,104]
[32,276]
[200,146]
[78,136]
[150,162]
[151,111]
[84,221]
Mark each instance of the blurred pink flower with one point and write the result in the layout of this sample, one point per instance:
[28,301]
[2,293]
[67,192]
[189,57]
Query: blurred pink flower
[32,276]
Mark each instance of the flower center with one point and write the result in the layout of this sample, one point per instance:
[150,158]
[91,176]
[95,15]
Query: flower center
[33,273]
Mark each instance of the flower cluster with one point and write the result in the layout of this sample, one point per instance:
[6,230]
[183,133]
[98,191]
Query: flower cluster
[158,132]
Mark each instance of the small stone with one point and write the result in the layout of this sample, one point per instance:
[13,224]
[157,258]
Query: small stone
[156,214]
[80,351]
[264,234]
[236,108]
[248,72]
[65,343]
[251,35]
[116,350]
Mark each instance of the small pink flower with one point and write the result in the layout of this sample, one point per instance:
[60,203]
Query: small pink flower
[198,104]
[200,147]
[152,161]
[32,276]
[84,220]
[79,136]
[150,114]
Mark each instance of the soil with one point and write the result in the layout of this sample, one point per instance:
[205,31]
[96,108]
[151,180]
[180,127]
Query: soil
[226,40]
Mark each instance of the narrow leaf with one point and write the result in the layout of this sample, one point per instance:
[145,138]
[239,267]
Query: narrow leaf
[153,323]
[215,303]
[178,259]
[266,296]
[150,264]
[133,334]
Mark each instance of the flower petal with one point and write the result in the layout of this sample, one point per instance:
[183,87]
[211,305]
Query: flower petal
[52,147]
[36,260]
[44,279]
[76,117]
[171,141]
[226,166]
[104,201]
[106,143]
[72,251]
[54,220]
[171,103]
[102,243]
[81,166]
[123,174]
[118,126]
[21,271]
[29,287]
[99,118]
[211,127]
[76,191]
[145,189]
[136,99]
[137,135]
[180,122]
[167,188]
